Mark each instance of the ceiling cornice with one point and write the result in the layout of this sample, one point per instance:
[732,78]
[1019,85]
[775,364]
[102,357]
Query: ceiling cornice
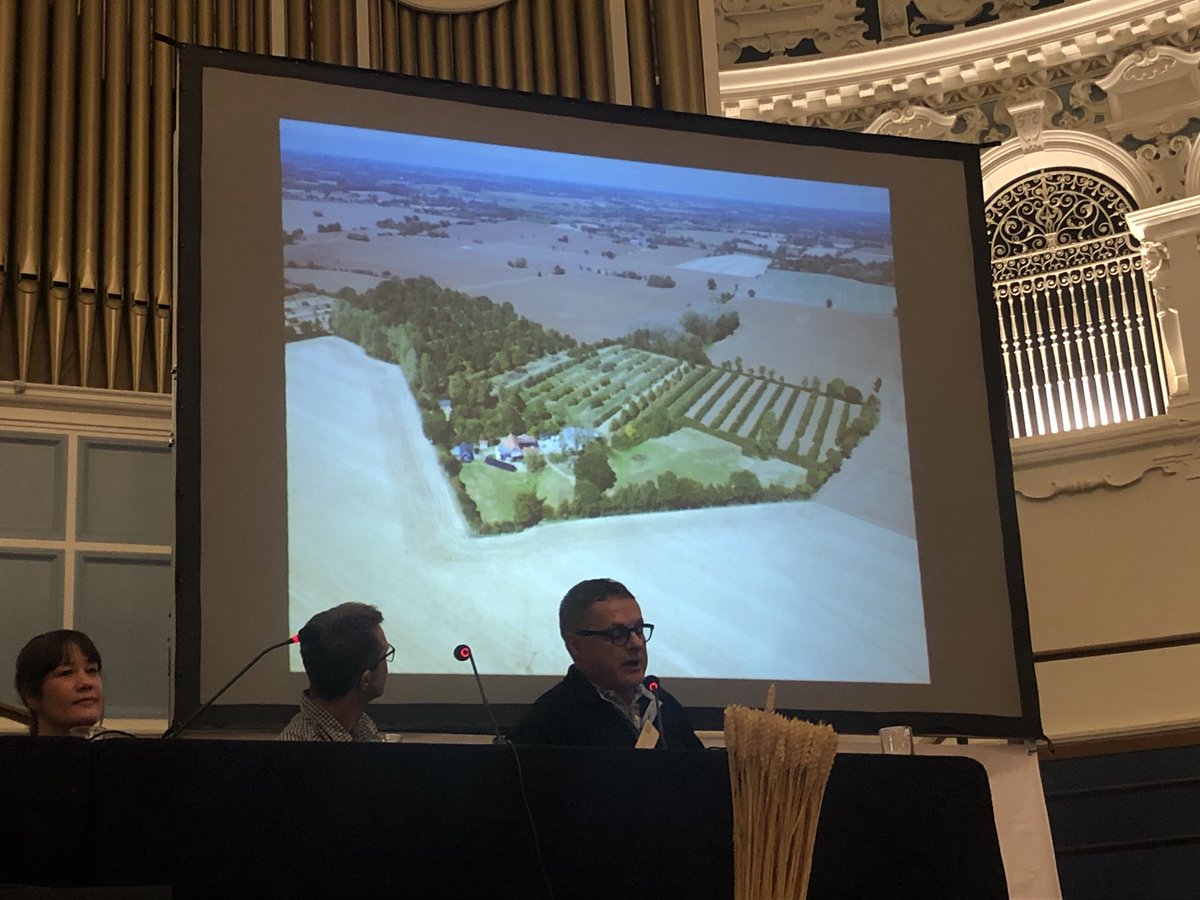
[959,60]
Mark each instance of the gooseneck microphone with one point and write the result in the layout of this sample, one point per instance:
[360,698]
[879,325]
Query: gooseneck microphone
[175,730]
[651,683]
[463,653]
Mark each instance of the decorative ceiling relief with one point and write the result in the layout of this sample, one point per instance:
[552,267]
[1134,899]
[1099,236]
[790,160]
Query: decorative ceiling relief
[1166,162]
[773,27]
[946,12]
[1152,92]
[923,122]
[1134,79]
[1027,112]
[914,121]
[1077,94]
[755,31]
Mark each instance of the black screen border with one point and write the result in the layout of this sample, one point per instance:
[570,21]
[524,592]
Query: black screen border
[469,717]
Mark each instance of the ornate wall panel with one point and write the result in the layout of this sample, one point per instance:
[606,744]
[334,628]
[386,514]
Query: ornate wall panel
[752,32]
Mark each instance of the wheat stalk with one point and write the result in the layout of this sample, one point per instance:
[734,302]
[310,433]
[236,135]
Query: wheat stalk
[778,768]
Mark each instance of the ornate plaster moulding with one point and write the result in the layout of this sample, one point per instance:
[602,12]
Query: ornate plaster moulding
[1191,181]
[1165,221]
[41,407]
[914,121]
[936,65]
[1114,457]
[772,26]
[1152,92]
[1060,148]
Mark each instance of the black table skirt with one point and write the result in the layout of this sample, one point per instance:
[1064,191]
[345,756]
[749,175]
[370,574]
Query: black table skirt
[247,818]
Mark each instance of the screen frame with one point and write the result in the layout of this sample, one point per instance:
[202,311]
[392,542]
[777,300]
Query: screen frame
[470,717]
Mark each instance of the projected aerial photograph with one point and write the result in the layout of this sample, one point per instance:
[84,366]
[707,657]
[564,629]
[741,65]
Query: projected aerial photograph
[509,369]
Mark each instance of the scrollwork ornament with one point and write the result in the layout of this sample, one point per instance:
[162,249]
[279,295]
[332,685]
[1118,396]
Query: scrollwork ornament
[1148,66]
[1155,256]
[1051,209]
[1165,161]
[773,27]
[1087,485]
[1071,256]
[1182,459]
[974,124]
[893,19]
[950,12]
[1084,108]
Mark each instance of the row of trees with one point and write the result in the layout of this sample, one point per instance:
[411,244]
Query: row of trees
[413,225]
[667,492]
[595,478]
[883,272]
[450,345]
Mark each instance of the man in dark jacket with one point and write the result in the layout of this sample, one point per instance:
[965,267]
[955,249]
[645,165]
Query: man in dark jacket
[605,700]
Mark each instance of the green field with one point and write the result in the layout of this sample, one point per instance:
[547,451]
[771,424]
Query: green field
[631,395]
[493,489]
[579,396]
[693,454]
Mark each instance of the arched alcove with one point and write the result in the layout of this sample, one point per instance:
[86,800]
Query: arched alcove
[1061,149]
[1078,334]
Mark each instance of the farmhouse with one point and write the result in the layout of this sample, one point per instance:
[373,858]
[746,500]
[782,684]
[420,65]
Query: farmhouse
[574,438]
[510,448]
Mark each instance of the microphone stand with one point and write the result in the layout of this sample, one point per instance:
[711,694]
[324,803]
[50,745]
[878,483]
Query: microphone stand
[461,652]
[175,730]
[653,686]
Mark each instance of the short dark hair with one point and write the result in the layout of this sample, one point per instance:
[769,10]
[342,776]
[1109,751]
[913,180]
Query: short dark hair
[45,653]
[337,646]
[578,600]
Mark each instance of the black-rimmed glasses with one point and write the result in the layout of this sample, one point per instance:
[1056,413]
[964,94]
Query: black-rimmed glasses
[620,634]
[387,656]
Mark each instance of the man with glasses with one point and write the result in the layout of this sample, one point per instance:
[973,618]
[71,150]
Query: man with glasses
[345,656]
[604,701]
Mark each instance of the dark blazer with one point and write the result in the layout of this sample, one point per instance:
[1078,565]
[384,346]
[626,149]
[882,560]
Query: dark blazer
[573,714]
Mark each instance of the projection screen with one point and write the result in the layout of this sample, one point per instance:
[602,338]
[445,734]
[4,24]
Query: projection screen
[449,350]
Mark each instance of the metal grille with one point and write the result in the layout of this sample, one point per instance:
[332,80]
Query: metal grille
[1079,339]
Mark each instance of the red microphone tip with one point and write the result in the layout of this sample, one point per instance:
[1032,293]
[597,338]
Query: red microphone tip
[296,638]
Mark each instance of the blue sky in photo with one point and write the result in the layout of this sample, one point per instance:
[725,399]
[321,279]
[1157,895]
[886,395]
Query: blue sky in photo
[492,159]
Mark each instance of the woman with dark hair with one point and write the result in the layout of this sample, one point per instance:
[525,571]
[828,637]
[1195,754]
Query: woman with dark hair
[58,678]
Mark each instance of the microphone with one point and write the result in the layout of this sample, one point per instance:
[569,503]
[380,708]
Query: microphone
[175,730]
[463,653]
[651,683]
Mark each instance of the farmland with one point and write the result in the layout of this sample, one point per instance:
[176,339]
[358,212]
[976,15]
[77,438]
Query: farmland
[500,381]
[619,350]
[373,517]
[675,435]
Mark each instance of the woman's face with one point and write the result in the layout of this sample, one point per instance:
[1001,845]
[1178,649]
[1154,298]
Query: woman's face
[72,696]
